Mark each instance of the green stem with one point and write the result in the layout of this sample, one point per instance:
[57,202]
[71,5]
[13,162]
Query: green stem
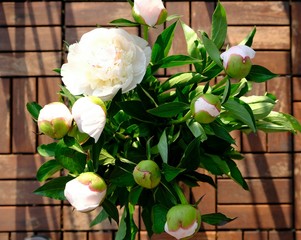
[180,193]
[182,119]
[222,82]
[145,32]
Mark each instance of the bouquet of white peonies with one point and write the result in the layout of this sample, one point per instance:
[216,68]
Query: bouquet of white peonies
[122,138]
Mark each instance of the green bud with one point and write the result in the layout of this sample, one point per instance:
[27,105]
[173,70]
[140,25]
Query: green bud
[147,174]
[205,108]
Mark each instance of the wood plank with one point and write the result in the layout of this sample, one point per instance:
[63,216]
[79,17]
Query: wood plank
[201,13]
[100,236]
[199,236]
[297,190]
[18,192]
[266,165]
[95,13]
[23,135]
[30,13]
[297,114]
[280,235]
[296,36]
[18,166]
[30,38]
[296,88]
[257,13]
[29,218]
[263,36]
[5,120]
[77,235]
[257,216]
[255,235]
[261,191]
[29,63]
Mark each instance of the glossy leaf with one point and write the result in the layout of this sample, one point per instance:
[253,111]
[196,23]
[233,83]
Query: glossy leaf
[170,172]
[122,22]
[163,147]
[219,26]
[47,150]
[248,41]
[168,110]
[34,109]
[260,74]
[216,219]
[159,218]
[48,169]
[212,50]
[99,218]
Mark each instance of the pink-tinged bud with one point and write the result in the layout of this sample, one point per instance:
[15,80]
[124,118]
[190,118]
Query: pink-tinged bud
[237,61]
[86,192]
[55,120]
[89,113]
[147,174]
[205,108]
[183,221]
[150,12]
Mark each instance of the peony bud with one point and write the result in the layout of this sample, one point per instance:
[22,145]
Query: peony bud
[147,174]
[86,192]
[55,120]
[205,108]
[183,221]
[151,12]
[90,116]
[237,61]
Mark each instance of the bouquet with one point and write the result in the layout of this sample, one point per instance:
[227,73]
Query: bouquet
[122,138]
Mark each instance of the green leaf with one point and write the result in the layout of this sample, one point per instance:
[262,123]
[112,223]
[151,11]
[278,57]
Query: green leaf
[95,152]
[170,172]
[216,219]
[48,169]
[122,22]
[159,213]
[135,194]
[212,50]
[66,93]
[221,132]
[241,111]
[196,129]
[219,26]
[70,159]
[176,61]
[235,174]
[191,157]
[163,147]
[214,164]
[122,229]
[248,41]
[47,150]
[260,74]
[73,144]
[168,110]
[163,44]
[111,209]
[54,188]
[191,37]
[99,218]
[227,91]
[181,80]
[34,109]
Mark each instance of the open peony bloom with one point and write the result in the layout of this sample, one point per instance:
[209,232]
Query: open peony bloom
[237,61]
[183,221]
[147,174]
[86,192]
[150,12]
[55,120]
[90,116]
[104,61]
[205,108]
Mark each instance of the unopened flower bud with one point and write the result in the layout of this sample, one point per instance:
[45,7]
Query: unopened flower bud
[183,221]
[90,116]
[86,192]
[147,174]
[150,12]
[55,120]
[237,61]
[205,108]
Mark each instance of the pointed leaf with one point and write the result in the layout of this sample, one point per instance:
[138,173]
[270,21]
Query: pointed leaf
[248,41]
[48,169]
[171,172]
[219,26]
[159,218]
[99,218]
[212,50]
[34,109]
[168,110]
[163,147]
[47,150]
[260,74]
[216,219]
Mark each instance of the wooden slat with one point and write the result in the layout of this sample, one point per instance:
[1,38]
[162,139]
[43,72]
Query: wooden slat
[280,235]
[100,236]
[266,165]
[297,190]
[201,13]
[19,166]
[296,37]
[199,236]
[255,235]
[257,216]
[96,13]
[297,137]
[5,120]
[29,63]
[30,38]
[261,191]
[296,88]
[23,135]
[29,218]
[30,13]
[263,36]
[18,192]
[257,12]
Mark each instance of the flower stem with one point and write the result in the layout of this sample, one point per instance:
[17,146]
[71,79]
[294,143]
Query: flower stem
[182,119]
[180,193]
[145,32]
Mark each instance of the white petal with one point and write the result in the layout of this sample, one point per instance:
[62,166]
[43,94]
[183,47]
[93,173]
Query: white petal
[242,50]
[202,105]
[182,232]
[150,12]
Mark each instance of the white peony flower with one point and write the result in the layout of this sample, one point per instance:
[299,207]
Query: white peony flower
[151,14]
[105,60]
[86,192]
[90,116]
[55,120]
